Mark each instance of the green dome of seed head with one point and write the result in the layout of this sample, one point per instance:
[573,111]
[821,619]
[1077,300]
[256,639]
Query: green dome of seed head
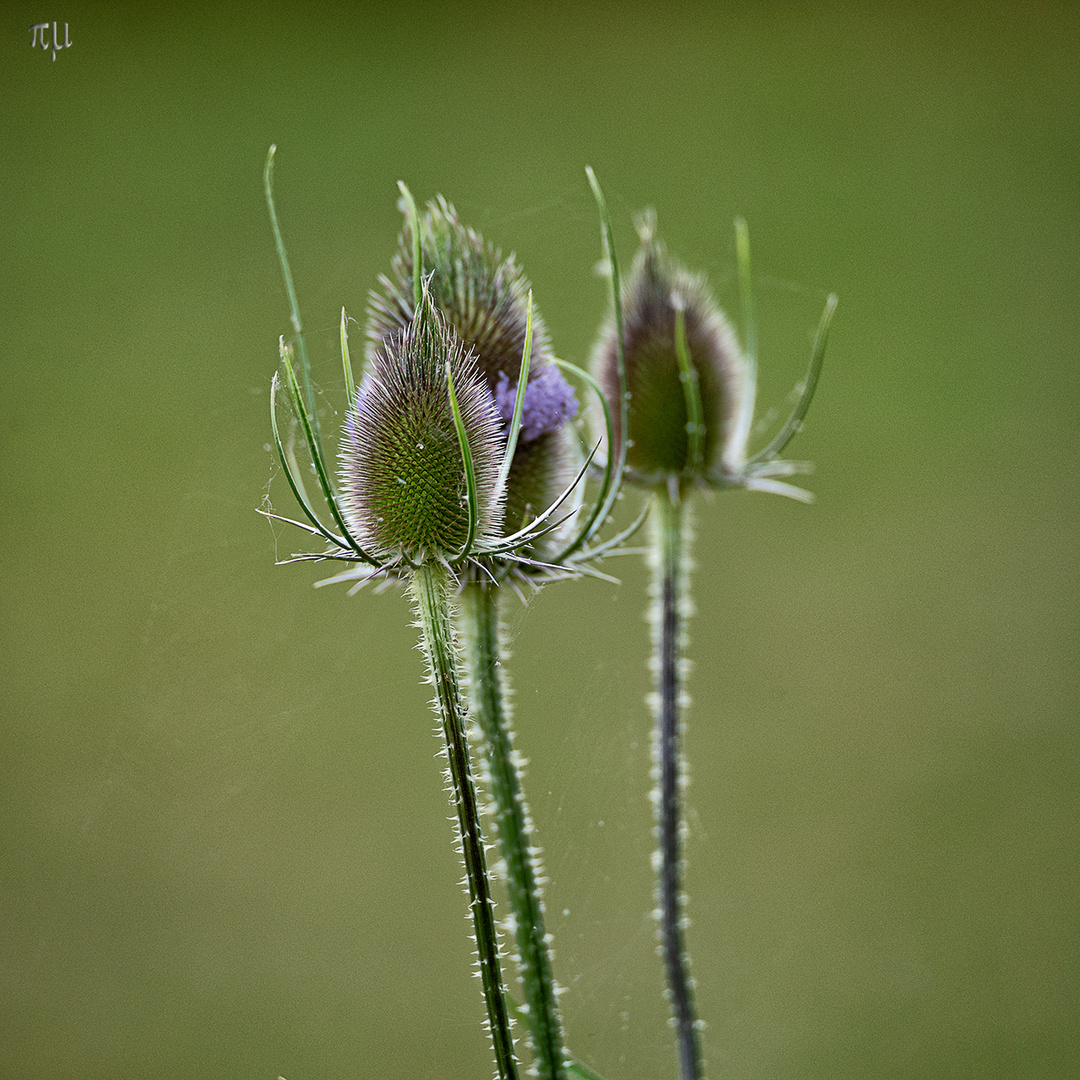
[402,476]
[484,298]
[660,444]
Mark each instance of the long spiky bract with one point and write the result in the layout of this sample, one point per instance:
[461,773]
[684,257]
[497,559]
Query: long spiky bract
[292,473]
[318,458]
[519,401]
[471,496]
[286,273]
[749,329]
[346,361]
[414,225]
[623,382]
[611,485]
[765,457]
[594,521]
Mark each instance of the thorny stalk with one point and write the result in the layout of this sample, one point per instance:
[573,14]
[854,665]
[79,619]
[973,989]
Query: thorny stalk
[670,608]
[430,591]
[490,709]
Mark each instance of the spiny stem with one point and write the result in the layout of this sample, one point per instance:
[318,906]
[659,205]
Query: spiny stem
[670,541]
[431,595]
[490,708]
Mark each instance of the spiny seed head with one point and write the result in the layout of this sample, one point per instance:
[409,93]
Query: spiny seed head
[402,475]
[482,295]
[659,439]
[484,298]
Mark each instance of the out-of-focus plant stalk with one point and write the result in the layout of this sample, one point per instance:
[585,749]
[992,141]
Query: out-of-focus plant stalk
[669,556]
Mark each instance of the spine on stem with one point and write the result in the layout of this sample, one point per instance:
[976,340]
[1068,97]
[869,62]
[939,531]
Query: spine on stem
[669,610]
[490,709]
[430,592]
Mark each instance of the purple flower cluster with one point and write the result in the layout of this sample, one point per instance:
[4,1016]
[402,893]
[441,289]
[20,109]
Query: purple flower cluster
[549,402]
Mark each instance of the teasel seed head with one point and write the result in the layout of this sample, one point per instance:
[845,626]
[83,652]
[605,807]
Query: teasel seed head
[657,294]
[402,475]
[484,299]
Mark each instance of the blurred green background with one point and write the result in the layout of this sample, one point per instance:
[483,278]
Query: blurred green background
[224,850]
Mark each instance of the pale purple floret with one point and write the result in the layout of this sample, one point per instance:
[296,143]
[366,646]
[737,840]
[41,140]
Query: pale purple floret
[549,402]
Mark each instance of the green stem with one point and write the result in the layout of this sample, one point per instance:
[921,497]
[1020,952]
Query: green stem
[431,595]
[490,708]
[670,602]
